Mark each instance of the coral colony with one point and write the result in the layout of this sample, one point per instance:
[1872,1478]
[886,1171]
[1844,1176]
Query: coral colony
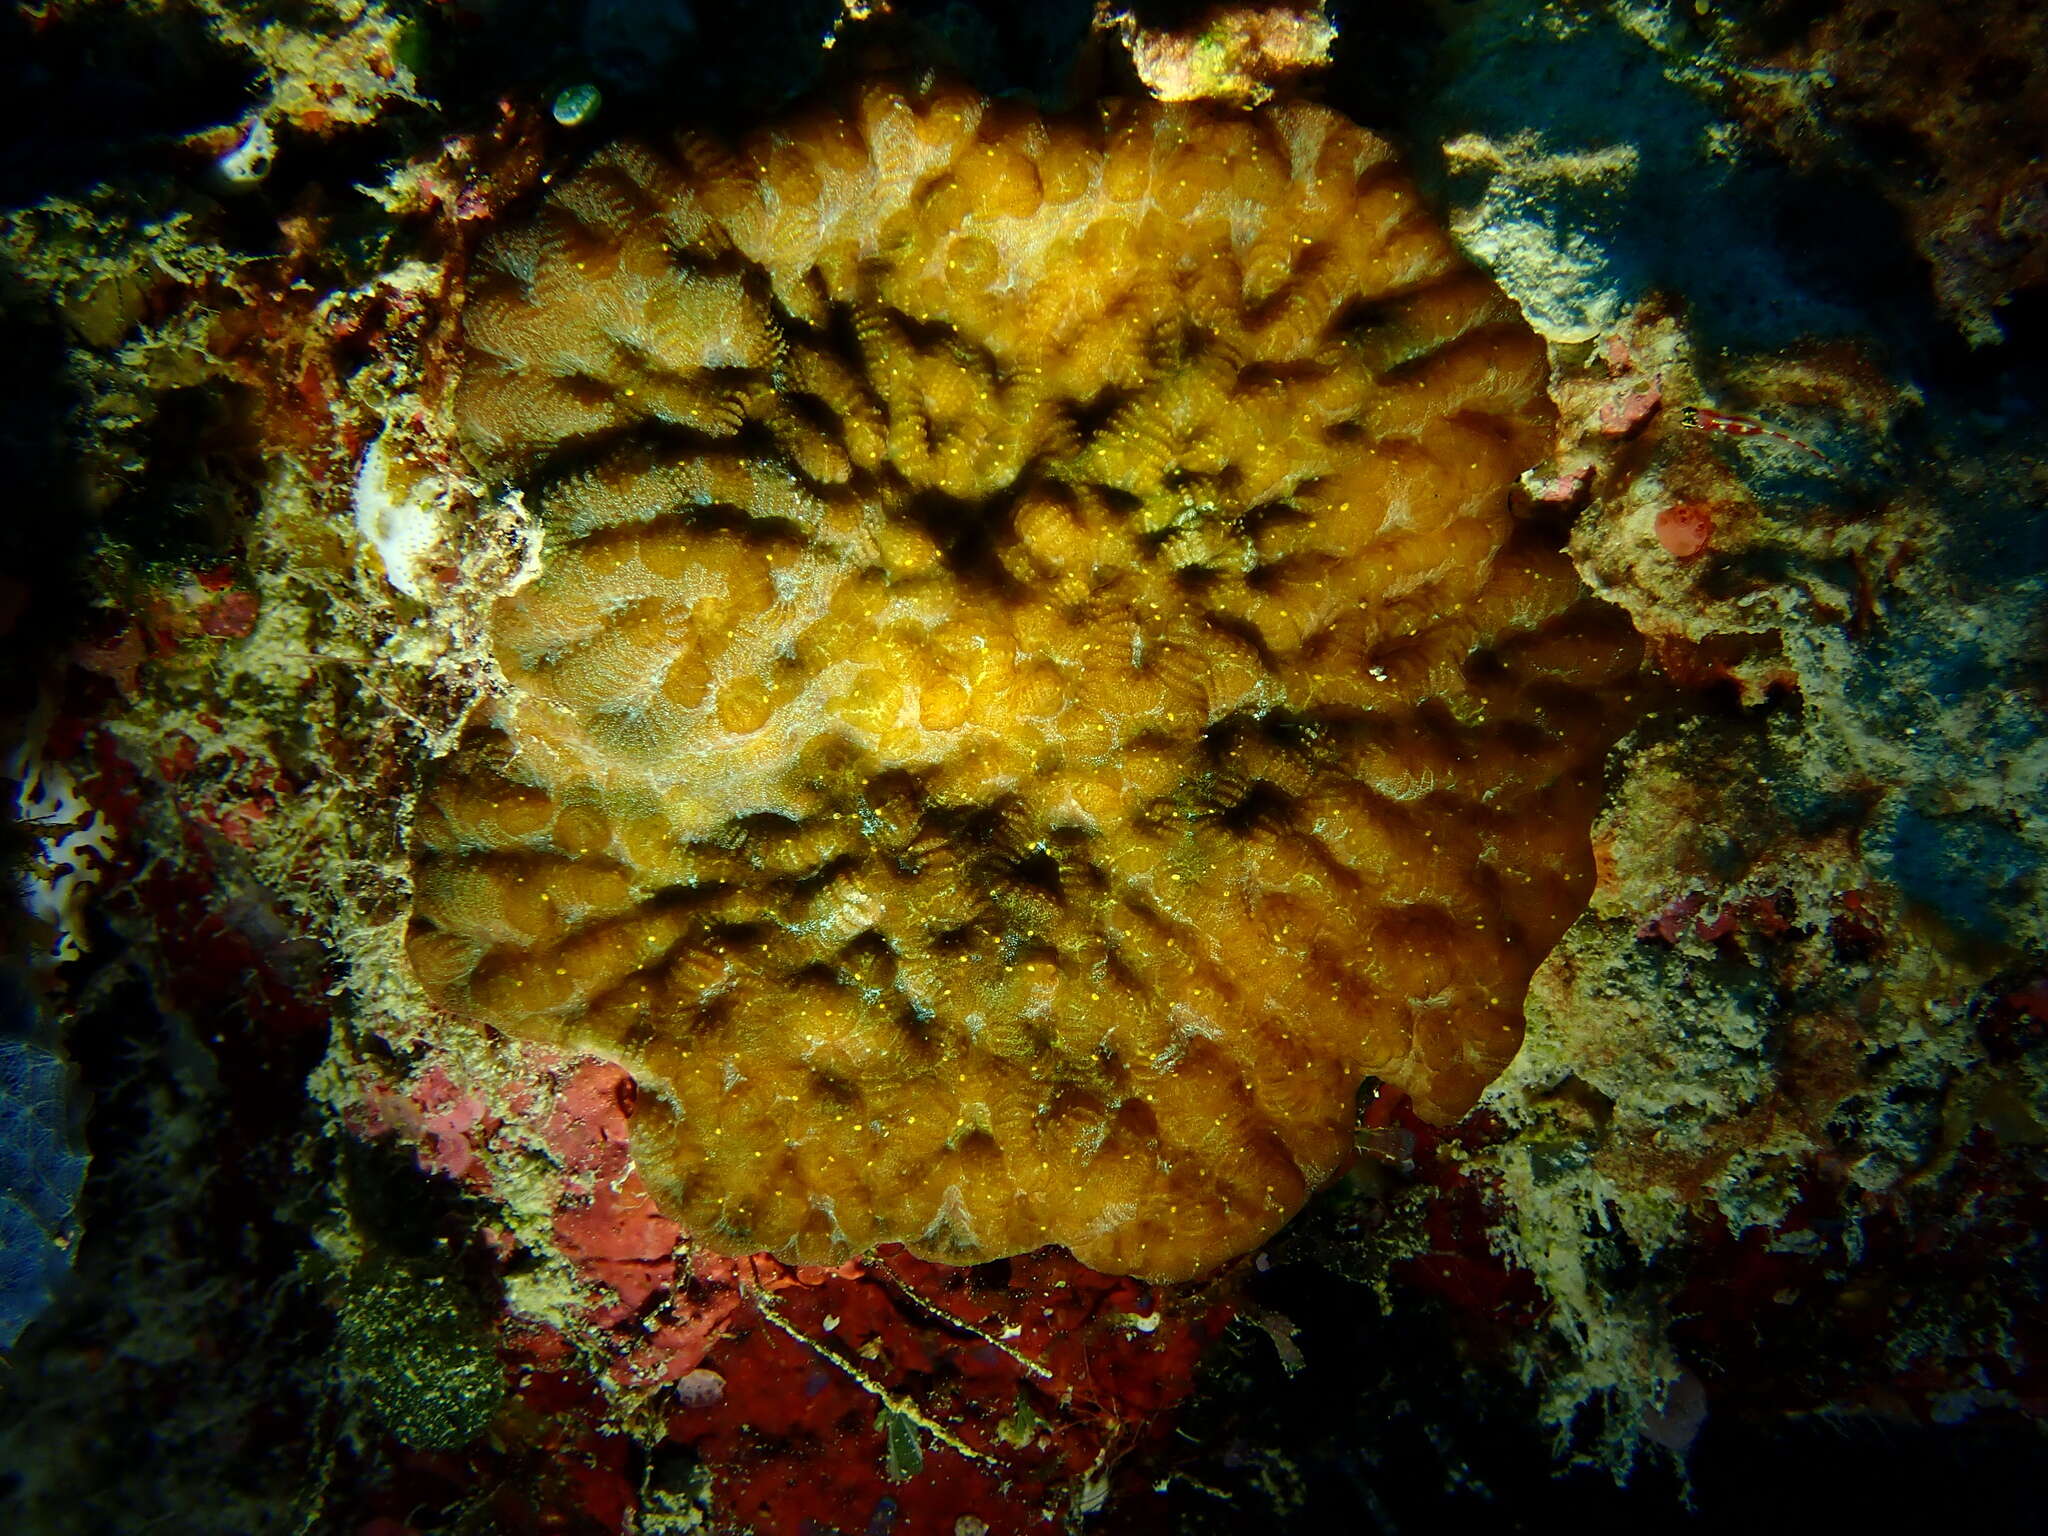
[934,769]
[998,750]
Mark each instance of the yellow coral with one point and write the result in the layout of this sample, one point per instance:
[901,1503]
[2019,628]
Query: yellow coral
[1035,688]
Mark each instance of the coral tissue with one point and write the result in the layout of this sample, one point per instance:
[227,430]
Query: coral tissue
[1035,688]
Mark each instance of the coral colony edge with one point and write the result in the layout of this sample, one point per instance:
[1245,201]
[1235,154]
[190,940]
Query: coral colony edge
[944,768]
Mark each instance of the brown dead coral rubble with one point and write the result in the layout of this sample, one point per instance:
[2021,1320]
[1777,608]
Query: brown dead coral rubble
[1035,687]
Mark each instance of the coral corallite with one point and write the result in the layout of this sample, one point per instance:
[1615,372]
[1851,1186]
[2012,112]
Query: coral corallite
[1035,687]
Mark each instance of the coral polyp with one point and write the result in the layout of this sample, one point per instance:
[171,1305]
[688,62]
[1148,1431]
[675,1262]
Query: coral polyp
[1035,687]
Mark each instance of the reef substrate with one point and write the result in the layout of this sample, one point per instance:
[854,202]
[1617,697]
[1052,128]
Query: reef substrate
[1770,1147]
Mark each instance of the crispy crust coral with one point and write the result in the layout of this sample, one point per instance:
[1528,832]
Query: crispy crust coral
[1035,689]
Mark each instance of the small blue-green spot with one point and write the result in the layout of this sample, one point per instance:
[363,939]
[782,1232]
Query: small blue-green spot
[577,105]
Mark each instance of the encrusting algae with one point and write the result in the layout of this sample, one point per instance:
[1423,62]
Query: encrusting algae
[1035,688]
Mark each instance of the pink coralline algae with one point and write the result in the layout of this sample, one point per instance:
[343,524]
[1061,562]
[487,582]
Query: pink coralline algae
[994,1394]
[1625,415]
[1685,530]
[441,1116]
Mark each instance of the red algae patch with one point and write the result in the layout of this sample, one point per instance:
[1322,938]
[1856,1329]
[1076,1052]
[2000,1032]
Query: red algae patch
[1036,686]
[1685,530]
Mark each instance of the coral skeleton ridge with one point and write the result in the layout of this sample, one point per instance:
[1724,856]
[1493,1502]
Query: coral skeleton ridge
[1035,688]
